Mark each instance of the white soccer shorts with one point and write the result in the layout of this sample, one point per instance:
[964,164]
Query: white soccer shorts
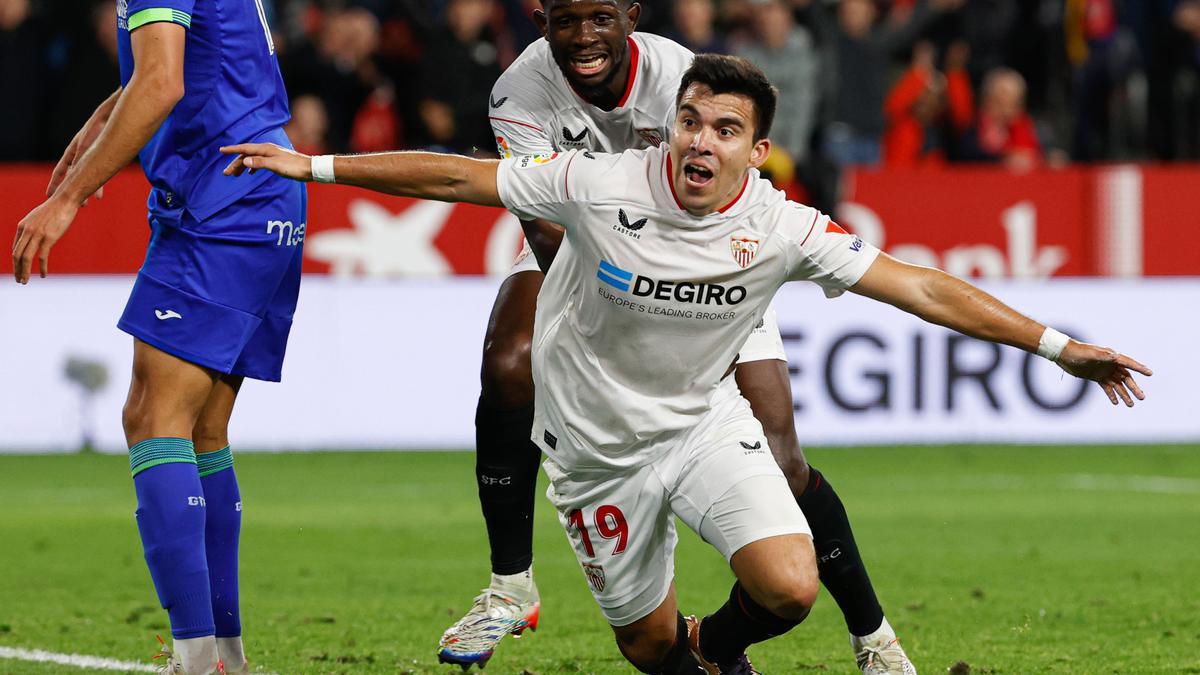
[764,343]
[720,480]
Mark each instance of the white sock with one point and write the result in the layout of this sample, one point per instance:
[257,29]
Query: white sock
[521,580]
[231,653]
[199,655]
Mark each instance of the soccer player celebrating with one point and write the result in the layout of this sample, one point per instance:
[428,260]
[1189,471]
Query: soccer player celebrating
[635,339]
[213,302]
[594,84]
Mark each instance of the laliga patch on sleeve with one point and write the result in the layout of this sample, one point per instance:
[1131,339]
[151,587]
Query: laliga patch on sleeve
[527,161]
[502,148]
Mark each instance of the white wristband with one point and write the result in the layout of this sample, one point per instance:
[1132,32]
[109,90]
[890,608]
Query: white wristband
[322,169]
[1051,344]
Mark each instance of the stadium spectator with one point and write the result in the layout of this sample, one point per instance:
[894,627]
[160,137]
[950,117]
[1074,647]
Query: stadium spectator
[461,64]
[23,73]
[90,75]
[926,109]
[1110,79]
[308,125]
[695,27]
[1172,45]
[861,52]
[339,69]
[1101,54]
[1003,131]
[788,56]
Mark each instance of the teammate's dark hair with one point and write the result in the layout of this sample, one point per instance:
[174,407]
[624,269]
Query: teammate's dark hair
[623,3]
[734,75]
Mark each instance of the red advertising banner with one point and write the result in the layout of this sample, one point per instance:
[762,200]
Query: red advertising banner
[975,222]
[1127,220]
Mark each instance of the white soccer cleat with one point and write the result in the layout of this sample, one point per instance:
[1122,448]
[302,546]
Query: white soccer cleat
[509,606]
[173,665]
[232,656]
[880,653]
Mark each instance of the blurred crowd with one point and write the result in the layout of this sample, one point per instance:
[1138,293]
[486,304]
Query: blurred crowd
[906,83]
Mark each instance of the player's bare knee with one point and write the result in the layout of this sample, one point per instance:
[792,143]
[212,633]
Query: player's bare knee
[210,435]
[791,598]
[507,370]
[135,416]
[132,418]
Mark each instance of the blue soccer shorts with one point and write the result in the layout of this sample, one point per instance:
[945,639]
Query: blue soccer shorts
[221,292]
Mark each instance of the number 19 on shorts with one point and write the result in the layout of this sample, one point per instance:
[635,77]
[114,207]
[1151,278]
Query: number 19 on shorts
[609,524]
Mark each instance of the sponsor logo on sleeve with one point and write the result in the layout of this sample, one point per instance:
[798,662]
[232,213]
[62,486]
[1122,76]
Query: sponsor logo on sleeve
[496,102]
[527,161]
[856,244]
[502,148]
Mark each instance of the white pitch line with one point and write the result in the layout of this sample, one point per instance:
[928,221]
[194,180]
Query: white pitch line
[1088,482]
[1131,483]
[76,660]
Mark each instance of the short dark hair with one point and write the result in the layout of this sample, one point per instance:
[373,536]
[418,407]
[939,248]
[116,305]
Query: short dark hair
[734,75]
[625,3]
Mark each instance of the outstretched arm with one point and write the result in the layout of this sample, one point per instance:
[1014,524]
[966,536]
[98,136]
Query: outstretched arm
[949,301]
[427,175]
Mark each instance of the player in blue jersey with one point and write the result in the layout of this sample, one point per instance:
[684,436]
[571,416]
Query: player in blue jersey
[213,302]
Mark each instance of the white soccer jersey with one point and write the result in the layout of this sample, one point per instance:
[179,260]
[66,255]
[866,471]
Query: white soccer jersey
[639,321]
[533,108]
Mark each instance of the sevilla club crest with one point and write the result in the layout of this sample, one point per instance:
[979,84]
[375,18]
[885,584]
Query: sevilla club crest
[595,576]
[743,250]
[653,137]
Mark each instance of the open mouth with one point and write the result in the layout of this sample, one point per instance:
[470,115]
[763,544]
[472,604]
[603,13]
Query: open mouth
[586,66]
[697,176]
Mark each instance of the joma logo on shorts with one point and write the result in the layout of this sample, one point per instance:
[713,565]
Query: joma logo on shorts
[289,234]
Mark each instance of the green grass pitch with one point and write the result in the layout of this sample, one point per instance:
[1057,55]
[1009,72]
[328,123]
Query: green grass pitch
[1008,559]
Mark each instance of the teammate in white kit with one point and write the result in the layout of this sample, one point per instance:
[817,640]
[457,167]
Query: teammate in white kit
[635,338]
[594,84]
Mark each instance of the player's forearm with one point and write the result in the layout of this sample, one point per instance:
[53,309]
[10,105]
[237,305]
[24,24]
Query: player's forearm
[105,109]
[951,302]
[136,114]
[426,175]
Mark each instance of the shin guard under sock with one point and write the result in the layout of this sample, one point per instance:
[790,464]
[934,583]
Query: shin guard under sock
[170,518]
[740,622]
[222,527]
[506,466]
[838,562]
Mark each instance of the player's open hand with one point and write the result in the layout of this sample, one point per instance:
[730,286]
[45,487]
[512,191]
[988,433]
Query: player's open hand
[255,156]
[1105,366]
[37,232]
